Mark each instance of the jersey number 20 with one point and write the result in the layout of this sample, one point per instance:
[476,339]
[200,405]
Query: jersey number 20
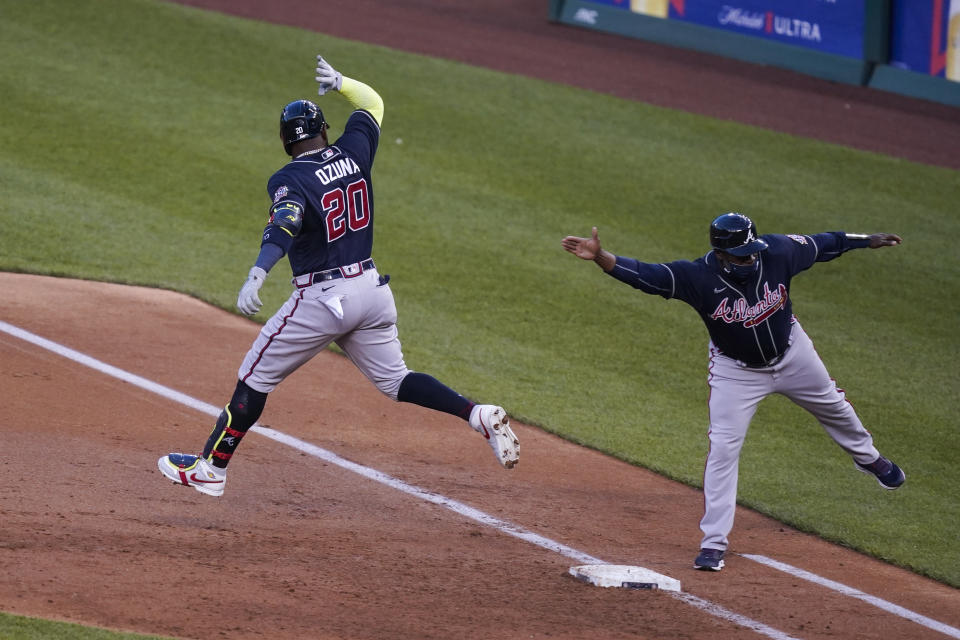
[345,208]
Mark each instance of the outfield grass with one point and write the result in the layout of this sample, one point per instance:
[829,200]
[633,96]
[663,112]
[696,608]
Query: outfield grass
[23,628]
[136,139]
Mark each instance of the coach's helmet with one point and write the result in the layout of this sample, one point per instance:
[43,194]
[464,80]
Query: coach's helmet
[736,234]
[300,120]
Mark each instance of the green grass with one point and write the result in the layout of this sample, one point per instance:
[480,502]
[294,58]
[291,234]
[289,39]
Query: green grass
[140,155]
[22,628]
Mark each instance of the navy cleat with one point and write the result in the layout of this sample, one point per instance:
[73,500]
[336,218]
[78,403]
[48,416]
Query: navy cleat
[709,560]
[887,473]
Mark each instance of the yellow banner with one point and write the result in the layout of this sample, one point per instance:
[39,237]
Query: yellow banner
[656,8]
[953,42]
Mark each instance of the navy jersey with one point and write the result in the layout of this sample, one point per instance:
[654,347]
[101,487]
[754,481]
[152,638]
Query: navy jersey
[326,198]
[748,321]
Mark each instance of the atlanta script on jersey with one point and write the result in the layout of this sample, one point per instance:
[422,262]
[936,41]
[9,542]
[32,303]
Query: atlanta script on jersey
[322,201]
[748,321]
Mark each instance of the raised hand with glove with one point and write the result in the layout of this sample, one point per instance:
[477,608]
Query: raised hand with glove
[357,93]
[328,78]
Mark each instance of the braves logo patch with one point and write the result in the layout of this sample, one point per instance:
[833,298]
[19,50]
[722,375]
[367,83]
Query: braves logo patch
[280,194]
[797,239]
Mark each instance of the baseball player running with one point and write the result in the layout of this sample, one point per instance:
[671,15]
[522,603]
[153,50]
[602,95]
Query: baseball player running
[321,218]
[757,347]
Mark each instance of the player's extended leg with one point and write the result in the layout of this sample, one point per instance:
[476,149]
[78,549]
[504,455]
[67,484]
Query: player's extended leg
[375,349]
[295,333]
[207,473]
[806,382]
[244,410]
[735,393]
[488,420]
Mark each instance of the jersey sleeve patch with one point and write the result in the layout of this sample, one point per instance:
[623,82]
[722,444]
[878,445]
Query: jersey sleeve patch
[280,193]
[798,239]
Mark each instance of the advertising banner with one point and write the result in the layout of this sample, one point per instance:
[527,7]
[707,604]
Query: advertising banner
[831,26]
[657,8]
[910,47]
[650,7]
[953,42]
[925,37]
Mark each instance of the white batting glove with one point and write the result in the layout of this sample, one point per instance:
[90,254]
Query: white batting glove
[328,78]
[248,302]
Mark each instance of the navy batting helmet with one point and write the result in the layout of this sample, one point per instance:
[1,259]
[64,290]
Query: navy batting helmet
[300,120]
[735,234]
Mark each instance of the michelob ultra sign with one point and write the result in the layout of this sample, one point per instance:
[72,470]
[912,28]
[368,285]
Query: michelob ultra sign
[831,26]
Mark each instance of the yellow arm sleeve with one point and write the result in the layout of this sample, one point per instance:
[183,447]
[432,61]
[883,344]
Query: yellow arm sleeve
[362,97]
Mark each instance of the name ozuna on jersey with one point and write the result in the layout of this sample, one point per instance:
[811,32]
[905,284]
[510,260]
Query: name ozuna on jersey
[336,170]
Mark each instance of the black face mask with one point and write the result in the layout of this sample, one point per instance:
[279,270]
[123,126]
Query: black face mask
[741,272]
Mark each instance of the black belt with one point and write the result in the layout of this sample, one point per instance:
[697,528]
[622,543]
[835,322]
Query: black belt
[346,271]
[769,363]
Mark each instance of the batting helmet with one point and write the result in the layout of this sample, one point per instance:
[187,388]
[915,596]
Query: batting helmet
[735,234]
[300,120]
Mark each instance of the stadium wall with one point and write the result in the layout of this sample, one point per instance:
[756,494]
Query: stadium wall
[911,47]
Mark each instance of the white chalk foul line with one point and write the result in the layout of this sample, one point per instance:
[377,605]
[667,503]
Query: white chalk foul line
[895,609]
[372,474]
[504,526]
[429,496]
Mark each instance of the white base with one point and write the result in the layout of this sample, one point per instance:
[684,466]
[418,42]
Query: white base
[624,576]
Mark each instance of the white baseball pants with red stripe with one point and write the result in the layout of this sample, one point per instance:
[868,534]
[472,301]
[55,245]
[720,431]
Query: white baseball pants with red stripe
[735,392]
[358,314]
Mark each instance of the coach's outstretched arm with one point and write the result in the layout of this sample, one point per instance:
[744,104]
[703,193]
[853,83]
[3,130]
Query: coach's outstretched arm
[360,95]
[878,240]
[833,244]
[590,249]
[656,279]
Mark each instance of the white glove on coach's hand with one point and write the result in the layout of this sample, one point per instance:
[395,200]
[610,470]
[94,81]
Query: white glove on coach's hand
[248,302]
[328,78]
